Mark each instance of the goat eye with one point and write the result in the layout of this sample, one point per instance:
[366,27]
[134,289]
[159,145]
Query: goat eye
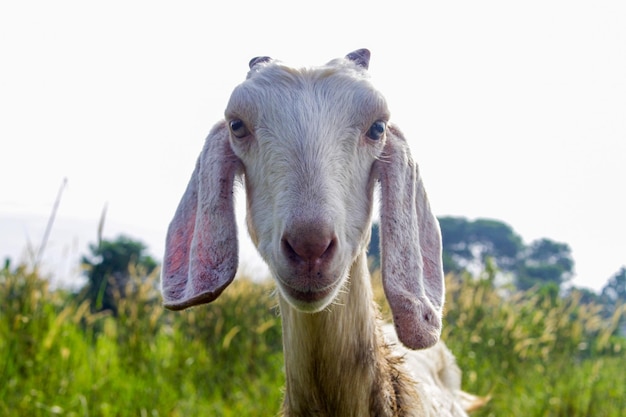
[239,128]
[376,130]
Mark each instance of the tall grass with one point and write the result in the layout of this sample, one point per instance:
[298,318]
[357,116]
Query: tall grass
[57,358]
[535,353]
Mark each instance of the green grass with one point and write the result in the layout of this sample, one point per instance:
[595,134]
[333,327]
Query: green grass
[57,358]
[535,354]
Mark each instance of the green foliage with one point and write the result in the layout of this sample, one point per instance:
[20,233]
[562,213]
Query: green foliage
[544,262]
[108,268]
[535,353]
[467,245]
[470,245]
[614,296]
[474,241]
[373,250]
[615,289]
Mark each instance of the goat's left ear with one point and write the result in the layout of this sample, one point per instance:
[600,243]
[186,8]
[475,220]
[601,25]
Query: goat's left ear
[411,247]
[201,251]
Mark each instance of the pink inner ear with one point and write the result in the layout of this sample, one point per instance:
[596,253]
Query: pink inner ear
[175,271]
[201,254]
[411,248]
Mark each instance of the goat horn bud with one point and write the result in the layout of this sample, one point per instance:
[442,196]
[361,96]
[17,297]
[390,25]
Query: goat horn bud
[361,57]
[258,60]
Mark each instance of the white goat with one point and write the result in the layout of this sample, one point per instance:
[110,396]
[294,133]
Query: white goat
[310,145]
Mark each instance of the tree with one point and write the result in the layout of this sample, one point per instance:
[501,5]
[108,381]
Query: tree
[544,262]
[585,295]
[614,297]
[615,289]
[373,250]
[471,245]
[108,268]
[467,244]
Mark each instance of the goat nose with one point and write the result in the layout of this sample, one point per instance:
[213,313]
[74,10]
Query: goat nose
[300,246]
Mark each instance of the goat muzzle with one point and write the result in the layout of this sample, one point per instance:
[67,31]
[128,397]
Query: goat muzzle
[310,254]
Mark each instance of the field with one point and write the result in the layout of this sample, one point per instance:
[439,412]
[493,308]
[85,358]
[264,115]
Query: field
[534,353]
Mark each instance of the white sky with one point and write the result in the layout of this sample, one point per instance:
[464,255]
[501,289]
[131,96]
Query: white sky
[514,110]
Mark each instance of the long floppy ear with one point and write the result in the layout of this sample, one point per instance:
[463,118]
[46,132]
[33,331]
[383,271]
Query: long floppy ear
[201,253]
[411,248]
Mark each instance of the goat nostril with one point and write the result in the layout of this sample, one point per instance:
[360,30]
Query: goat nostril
[330,249]
[288,250]
[303,249]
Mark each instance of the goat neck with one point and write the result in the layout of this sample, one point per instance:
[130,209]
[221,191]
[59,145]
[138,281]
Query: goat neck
[336,361]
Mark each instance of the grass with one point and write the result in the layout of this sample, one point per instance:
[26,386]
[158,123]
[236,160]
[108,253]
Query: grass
[58,358]
[536,354]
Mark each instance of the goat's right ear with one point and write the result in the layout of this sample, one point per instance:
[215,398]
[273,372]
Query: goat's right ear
[411,247]
[201,250]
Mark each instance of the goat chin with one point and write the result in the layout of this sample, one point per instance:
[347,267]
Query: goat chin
[312,291]
[310,145]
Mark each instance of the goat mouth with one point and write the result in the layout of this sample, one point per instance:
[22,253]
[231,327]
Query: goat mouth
[308,296]
[310,290]
[307,299]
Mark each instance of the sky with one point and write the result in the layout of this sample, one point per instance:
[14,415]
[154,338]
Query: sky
[515,111]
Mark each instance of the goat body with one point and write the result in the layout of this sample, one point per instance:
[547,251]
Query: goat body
[310,145]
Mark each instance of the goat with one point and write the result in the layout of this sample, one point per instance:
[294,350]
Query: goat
[310,145]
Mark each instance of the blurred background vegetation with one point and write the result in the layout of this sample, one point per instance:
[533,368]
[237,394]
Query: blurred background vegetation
[537,345]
